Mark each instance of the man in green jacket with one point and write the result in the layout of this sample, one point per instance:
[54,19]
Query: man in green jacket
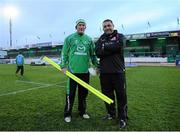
[78,50]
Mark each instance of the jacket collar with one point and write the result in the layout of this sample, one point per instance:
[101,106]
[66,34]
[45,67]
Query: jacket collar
[110,35]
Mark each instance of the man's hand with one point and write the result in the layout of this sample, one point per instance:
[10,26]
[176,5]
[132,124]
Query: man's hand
[97,71]
[64,70]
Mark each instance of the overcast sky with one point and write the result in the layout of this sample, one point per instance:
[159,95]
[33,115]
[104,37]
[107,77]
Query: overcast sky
[53,20]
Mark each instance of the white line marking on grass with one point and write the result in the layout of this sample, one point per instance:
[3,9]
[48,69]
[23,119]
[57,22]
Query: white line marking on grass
[37,82]
[30,89]
[17,81]
[21,91]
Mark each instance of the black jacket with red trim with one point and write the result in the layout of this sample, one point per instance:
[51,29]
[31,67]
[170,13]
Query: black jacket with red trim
[109,48]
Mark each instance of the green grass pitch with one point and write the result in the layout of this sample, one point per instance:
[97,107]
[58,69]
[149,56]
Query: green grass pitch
[36,101]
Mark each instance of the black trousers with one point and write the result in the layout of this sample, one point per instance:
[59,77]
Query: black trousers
[115,83]
[82,95]
[20,68]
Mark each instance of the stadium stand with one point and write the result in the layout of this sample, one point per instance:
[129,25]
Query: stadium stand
[153,47]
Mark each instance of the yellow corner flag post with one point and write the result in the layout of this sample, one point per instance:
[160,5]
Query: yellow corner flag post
[84,84]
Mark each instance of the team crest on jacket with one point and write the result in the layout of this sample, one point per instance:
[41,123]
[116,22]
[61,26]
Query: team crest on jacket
[81,48]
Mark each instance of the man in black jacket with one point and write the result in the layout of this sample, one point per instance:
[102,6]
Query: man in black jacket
[109,48]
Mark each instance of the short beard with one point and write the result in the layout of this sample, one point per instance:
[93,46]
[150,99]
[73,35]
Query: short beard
[109,33]
[80,34]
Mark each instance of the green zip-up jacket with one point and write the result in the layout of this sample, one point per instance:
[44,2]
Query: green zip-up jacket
[77,52]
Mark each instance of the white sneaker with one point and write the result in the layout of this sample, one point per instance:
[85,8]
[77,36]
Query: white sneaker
[86,116]
[67,119]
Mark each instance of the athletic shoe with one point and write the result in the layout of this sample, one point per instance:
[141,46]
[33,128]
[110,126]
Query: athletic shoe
[85,116]
[67,119]
[122,124]
[108,117]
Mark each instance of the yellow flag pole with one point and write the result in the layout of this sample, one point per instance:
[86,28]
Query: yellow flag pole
[84,84]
